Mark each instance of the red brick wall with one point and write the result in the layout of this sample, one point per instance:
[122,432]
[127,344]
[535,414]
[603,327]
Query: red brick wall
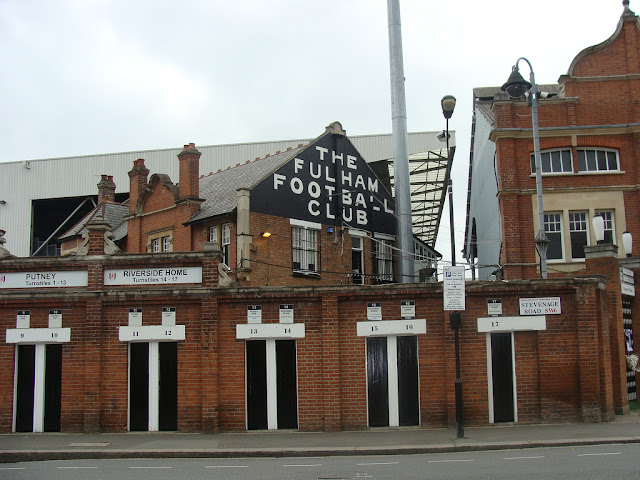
[563,373]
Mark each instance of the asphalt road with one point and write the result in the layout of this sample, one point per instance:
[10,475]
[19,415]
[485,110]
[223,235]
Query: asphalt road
[601,462]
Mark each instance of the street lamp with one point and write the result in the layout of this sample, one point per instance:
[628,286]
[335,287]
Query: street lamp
[448,103]
[516,87]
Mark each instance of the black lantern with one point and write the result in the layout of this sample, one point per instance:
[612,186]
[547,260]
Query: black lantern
[516,86]
[448,103]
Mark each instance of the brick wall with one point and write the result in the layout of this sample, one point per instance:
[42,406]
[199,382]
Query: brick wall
[565,372]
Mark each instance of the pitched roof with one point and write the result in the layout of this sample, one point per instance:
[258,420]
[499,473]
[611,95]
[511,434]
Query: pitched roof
[219,189]
[112,213]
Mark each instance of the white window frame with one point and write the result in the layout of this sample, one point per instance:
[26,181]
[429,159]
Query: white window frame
[304,250]
[383,253]
[598,151]
[166,243]
[584,228]
[550,153]
[226,242]
[609,222]
[213,234]
[561,231]
[155,245]
[360,251]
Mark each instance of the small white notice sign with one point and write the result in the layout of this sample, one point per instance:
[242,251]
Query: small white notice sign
[374,311]
[55,318]
[135,317]
[168,316]
[408,309]
[453,284]
[286,313]
[254,313]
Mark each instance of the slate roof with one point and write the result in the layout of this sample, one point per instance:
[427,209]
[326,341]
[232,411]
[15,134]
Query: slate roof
[219,189]
[113,214]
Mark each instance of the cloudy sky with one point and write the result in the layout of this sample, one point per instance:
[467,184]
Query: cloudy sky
[99,76]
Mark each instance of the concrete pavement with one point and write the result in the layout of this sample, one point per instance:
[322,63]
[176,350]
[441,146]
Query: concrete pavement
[18,447]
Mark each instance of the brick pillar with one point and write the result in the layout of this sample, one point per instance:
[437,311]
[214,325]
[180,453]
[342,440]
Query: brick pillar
[106,189]
[596,396]
[603,260]
[330,365]
[92,364]
[210,372]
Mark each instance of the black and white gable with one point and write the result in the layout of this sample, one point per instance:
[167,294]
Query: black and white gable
[327,182]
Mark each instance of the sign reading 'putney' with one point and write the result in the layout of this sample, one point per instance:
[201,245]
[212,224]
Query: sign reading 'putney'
[329,183]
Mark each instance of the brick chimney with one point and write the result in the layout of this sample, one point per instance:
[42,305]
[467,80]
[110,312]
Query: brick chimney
[137,182]
[189,181]
[106,189]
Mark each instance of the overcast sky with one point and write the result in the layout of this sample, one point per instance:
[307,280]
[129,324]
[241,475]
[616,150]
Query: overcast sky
[100,76]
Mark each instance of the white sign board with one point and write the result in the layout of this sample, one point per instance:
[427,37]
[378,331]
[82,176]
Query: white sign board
[286,313]
[512,324]
[453,284]
[627,282]
[44,279]
[494,307]
[23,319]
[415,326]
[408,309]
[254,313]
[168,316]
[162,333]
[540,306]
[152,276]
[55,318]
[38,335]
[135,317]
[374,311]
[269,330]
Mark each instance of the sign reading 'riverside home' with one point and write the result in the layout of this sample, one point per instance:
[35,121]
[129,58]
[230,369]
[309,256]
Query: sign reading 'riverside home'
[153,276]
[44,279]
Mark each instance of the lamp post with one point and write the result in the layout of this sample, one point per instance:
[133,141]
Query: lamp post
[448,104]
[516,87]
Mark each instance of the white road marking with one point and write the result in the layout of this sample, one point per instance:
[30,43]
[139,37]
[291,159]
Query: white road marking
[151,468]
[76,468]
[377,463]
[522,458]
[597,454]
[12,468]
[449,461]
[307,465]
[226,466]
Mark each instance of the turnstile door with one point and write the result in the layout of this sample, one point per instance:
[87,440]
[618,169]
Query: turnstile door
[52,387]
[377,382]
[256,384]
[138,387]
[502,373]
[168,388]
[25,384]
[408,399]
[287,384]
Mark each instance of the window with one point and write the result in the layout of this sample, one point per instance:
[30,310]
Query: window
[557,161]
[304,243]
[213,234]
[155,245]
[357,263]
[166,244]
[594,160]
[226,243]
[578,233]
[553,230]
[383,262]
[609,233]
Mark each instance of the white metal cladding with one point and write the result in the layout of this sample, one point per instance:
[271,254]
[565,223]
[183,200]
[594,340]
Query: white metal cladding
[24,181]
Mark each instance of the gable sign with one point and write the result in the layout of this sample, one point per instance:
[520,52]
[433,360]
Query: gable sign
[329,183]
